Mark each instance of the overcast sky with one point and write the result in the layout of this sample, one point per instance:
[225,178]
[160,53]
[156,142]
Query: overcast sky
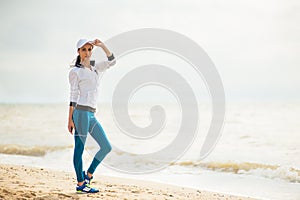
[254,44]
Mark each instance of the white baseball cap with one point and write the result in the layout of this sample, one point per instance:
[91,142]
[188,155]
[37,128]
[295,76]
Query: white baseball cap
[82,42]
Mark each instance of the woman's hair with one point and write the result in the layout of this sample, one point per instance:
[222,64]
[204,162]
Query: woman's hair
[77,63]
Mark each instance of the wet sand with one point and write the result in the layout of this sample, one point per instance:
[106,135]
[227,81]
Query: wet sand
[22,182]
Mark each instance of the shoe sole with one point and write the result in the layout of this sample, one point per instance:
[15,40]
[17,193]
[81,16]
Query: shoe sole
[82,192]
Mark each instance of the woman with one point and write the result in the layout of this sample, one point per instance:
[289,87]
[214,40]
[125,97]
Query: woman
[84,82]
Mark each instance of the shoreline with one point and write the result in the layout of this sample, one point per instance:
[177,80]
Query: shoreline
[23,182]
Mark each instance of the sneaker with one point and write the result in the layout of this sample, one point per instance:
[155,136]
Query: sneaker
[87,178]
[85,188]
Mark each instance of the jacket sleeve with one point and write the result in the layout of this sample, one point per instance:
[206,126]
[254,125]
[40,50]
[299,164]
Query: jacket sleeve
[74,88]
[104,65]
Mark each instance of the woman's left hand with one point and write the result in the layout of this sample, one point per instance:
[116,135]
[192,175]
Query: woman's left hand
[98,43]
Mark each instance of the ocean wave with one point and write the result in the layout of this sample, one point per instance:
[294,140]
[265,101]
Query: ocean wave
[287,173]
[29,150]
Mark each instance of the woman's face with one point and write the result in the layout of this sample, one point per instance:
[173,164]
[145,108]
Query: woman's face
[85,51]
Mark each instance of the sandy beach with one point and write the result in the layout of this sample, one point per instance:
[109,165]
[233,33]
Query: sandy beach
[21,182]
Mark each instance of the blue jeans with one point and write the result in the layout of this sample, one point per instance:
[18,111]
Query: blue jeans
[85,122]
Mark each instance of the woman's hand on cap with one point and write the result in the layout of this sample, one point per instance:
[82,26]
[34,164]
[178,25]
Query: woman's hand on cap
[98,43]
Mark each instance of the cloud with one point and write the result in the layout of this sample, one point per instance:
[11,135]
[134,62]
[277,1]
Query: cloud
[254,44]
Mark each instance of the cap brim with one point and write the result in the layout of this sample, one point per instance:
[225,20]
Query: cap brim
[88,42]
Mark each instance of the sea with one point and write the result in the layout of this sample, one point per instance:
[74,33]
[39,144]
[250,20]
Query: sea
[256,155]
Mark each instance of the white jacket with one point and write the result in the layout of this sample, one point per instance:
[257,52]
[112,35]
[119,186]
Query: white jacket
[84,83]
